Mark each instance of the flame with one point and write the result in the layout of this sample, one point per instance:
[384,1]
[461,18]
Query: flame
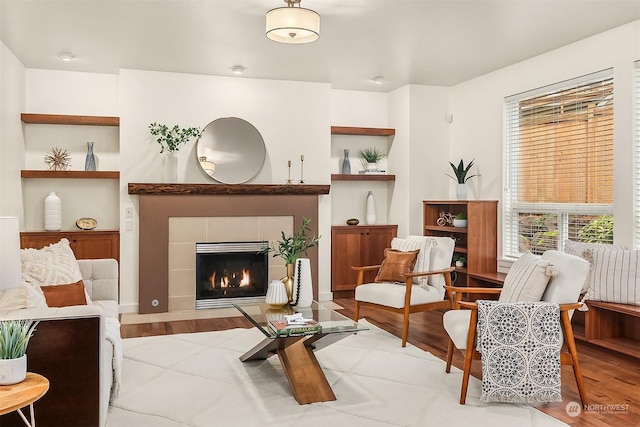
[234,279]
[246,279]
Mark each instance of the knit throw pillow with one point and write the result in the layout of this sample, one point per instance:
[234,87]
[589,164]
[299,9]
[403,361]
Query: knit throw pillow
[527,279]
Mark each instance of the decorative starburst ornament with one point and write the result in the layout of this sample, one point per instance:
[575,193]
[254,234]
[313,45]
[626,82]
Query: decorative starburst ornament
[58,159]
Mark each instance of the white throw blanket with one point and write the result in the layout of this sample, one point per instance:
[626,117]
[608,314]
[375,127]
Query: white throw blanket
[520,346]
[112,333]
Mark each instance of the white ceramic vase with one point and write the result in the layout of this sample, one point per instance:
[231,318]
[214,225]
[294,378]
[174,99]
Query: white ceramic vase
[52,212]
[461,192]
[302,284]
[13,371]
[276,294]
[371,209]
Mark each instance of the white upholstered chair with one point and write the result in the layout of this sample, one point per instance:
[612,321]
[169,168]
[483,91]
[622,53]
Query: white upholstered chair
[563,288]
[422,290]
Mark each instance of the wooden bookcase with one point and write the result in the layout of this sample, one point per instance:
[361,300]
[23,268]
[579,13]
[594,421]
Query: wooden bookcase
[477,243]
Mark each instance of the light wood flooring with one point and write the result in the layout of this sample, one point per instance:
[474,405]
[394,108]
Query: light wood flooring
[612,381]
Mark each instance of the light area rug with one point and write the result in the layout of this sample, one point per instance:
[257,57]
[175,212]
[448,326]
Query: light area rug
[197,380]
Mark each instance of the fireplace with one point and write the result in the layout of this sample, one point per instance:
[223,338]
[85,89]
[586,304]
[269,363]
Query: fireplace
[229,272]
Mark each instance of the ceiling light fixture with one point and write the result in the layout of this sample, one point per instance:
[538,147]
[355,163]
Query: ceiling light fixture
[293,24]
[238,69]
[378,80]
[67,57]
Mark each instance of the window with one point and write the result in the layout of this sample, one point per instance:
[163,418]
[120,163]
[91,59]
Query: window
[636,125]
[558,154]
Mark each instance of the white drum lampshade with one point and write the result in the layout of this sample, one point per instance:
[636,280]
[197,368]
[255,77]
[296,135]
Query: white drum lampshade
[293,24]
[10,263]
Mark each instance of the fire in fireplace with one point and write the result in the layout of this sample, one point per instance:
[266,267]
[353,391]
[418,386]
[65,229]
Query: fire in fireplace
[230,271]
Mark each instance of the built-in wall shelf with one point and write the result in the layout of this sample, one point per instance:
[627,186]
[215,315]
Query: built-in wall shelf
[349,130]
[70,174]
[362,177]
[60,119]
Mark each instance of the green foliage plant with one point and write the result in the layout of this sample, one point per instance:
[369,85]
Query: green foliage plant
[461,172]
[461,215]
[14,337]
[170,139]
[292,247]
[372,155]
[598,230]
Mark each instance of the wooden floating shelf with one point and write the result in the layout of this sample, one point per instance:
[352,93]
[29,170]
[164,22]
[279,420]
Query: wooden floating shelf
[362,177]
[59,119]
[225,189]
[348,130]
[70,174]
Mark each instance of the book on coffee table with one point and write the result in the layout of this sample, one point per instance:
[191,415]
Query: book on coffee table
[284,328]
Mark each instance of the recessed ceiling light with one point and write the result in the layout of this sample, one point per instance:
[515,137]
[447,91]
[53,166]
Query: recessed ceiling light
[237,69]
[377,80]
[66,57]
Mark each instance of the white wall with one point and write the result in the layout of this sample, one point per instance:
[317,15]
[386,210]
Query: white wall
[476,131]
[12,87]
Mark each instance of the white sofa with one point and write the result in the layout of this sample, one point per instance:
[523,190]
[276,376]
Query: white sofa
[89,337]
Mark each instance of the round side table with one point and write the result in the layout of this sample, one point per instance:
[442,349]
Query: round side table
[14,397]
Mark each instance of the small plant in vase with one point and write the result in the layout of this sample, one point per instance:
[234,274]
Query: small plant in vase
[461,173]
[371,157]
[170,140]
[460,261]
[290,248]
[14,338]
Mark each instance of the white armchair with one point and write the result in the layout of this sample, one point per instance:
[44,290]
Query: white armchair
[563,288]
[417,291]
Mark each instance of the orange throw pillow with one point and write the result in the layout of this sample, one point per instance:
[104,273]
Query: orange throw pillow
[65,295]
[394,264]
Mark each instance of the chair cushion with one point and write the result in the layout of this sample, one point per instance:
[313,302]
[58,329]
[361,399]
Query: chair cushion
[565,286]
[65,295]
[396,263]
[527,279]
[615,276]
[424,245]
[456,323]
[392,294]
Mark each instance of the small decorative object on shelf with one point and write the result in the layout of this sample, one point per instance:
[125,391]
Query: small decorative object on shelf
[445,218]
[57,159]
[86,223]
[460,261]
[14,338]
[346,164]
[301,169]
[289,178]
[353,221]
[461,176]
[170,140]
[90,160]
[370,158]
[460,221]
[371,209]
[52,212]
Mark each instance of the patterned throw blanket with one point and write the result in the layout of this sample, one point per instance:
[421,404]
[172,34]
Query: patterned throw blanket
[520,346]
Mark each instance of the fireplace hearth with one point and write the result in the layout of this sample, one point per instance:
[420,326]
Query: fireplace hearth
[229,272]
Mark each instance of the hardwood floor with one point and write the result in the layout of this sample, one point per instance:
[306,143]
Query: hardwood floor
[612,381]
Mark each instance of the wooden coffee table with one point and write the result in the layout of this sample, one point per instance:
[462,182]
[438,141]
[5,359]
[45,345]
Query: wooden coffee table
[14,397]
[306,378]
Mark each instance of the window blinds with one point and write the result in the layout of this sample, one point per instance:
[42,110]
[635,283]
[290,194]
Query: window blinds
[636,125]
[558,164]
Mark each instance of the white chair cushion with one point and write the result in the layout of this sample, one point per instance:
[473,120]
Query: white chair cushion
[456,323]
[392,294]
[424,245]
[565,286]
[615,276]
[440,256]
[527,279]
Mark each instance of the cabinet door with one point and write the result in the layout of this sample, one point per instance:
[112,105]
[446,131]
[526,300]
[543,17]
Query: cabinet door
[347,250]
[85,245]
[376,241]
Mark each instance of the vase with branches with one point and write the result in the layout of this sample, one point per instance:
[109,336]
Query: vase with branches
[170,140]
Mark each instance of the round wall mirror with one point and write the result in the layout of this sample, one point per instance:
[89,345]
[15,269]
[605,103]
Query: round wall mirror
[231,150]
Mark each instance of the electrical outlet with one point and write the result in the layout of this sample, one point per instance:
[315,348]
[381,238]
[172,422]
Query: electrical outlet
[128,212]
[128,225]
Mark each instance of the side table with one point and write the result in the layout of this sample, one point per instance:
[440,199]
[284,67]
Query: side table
[16,396]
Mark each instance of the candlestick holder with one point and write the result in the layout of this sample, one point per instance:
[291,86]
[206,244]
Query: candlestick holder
[301,169]
[289,179]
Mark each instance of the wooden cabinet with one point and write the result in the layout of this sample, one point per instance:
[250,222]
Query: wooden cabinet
[85,244]
[357,245]
[477,243]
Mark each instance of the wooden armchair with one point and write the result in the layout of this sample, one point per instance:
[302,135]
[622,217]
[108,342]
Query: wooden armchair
[420,290]
[563,288]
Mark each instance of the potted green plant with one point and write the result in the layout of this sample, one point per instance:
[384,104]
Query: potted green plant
[170,140]
[290,248]
[371,156]
[459,261]
[461,173]
[14,338]
[460,220]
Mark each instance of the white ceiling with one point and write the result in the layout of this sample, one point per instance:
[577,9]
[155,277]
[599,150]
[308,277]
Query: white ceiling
[406,41]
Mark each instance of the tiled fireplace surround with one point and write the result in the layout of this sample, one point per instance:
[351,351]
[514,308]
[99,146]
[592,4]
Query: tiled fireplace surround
[172,217]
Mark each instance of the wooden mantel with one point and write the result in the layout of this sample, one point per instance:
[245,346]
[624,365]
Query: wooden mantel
[227,189]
